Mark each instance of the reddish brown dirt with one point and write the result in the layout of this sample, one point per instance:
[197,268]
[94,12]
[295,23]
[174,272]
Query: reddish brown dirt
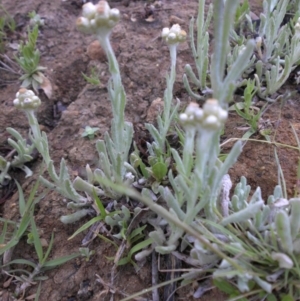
[144,61]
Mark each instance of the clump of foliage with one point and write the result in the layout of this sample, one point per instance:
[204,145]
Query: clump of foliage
[29,61]
[248,246]
[7,25]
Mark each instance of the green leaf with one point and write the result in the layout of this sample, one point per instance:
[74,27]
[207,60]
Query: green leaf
[224,286]
[22,203]
[159,170]
[135,249]
[249,133]
[21,261]
[137,235]
[27,212]
[37,78]
[136,232]
[9,245]
[271,297]
[59,261]
[240,113]
[144,170]
[107,240]
[36,240]
[99,205]
[2,235]
[49,248]
[86,226]
[93,79]
[26,82]
[30,239]
[35,85]
[37,295]
[123,261]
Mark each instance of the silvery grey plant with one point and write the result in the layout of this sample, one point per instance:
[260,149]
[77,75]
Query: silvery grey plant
[113,151]
[200,174]
[271,32]
[21,154]
[197,211]
[277,52]
[159,151]
[278,49]
[202,185]
[197,185]
[221,87]
[172,37]
[200,51]
[28,102]
[263,238]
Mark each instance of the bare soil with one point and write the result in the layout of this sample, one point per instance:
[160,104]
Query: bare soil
[144,61]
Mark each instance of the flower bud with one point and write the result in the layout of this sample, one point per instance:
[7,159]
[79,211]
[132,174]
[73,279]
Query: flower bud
[99,16]
[192,114]
[174,35]
[26,100]
[114,14]
[165,32]
[89,10]
[83,24]
[211,107]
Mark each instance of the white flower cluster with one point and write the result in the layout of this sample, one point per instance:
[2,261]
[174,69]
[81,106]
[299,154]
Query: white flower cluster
[297,29]
[212,116]
[99,16]
[174,35]
[26,100]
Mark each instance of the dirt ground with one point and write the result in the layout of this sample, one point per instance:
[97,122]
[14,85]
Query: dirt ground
[144,61]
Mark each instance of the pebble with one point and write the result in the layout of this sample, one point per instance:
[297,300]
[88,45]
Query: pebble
[95,51]
[176,20]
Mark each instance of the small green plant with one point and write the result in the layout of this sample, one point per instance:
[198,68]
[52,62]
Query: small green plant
[7,24]
[93,79]
[29,61]
[248,111]
[90,132]
[85,252]
[134,244]
[241,12]
[11,234]
[21,154]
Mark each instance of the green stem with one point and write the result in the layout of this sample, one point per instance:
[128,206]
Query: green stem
[36,132]
[188,150]
[168,97]
[117,93]
[33,124]
[204,142]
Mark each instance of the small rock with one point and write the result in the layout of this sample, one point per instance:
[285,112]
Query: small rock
[176,20]
[50,44]
[95,52]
